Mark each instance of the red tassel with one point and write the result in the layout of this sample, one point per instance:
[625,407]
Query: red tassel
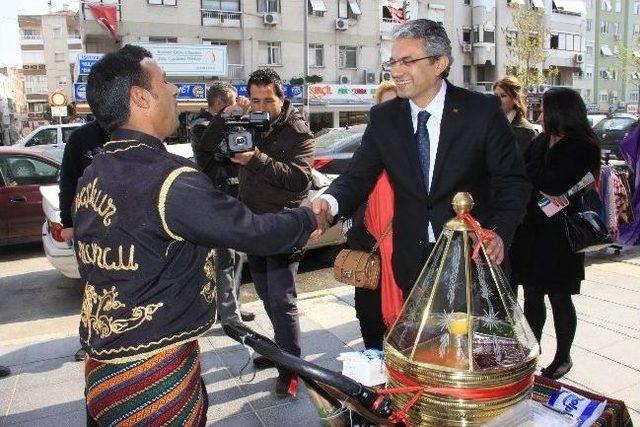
[293,385]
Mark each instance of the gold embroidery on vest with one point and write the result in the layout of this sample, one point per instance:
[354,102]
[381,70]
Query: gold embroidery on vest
[208,291]
[89,197]
[162,199]
[94,254]
[95,306]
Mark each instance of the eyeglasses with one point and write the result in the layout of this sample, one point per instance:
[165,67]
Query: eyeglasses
[405,62]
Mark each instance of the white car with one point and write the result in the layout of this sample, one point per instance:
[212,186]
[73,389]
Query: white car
[52,135]
[63,258]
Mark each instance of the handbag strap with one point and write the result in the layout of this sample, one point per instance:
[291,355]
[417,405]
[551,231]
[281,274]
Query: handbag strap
[382,237]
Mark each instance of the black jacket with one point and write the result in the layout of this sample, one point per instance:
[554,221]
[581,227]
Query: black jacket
[144,222]
[524,132]
[279,174]
[221,171]
[541,255]
[84,143]
[476,153]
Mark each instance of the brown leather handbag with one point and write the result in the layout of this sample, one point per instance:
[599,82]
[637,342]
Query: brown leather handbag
[359,268]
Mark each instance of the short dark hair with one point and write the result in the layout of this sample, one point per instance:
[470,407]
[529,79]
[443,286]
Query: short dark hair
[219,90]
[565,114]
[433,35]
[265,77]
[110,81]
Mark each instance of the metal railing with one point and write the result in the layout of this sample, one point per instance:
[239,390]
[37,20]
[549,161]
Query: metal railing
[31,36]
[220,18]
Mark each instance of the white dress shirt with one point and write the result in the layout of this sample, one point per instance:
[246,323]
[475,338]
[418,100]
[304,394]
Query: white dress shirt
[435,108]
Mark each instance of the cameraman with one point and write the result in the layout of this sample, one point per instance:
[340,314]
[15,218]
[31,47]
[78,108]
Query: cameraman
[275,175]
[224,175]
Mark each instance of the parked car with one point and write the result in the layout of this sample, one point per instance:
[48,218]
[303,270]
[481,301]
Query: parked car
[63,258]
[56,135]
[22,172]
[335,148]
[594,119]
[611,132]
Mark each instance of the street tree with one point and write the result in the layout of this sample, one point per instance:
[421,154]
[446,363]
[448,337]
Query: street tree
[629,57]
[526,37]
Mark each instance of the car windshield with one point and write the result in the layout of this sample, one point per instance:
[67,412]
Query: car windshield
[620,123]
[338,137]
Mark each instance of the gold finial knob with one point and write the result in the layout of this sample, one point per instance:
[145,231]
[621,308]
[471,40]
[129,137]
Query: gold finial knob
[462,202]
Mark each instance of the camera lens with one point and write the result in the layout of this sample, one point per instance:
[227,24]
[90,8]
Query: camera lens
[241,140]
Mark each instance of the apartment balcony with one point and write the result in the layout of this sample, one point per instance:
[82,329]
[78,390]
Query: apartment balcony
[484,54]
[31,39]
[220,18]
[236,72]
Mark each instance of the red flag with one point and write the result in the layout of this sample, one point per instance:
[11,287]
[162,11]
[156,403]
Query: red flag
[107,16]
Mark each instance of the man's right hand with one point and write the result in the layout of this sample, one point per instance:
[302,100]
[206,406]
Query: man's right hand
[67,235]
[322,211]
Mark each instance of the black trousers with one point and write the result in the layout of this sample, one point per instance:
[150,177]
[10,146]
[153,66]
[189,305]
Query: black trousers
[228,276]
[275,280]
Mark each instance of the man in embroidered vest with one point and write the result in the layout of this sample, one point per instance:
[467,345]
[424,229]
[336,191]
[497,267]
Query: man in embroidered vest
[144,221]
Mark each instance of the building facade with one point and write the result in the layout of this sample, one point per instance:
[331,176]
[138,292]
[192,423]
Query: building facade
[13,106]
[49,45]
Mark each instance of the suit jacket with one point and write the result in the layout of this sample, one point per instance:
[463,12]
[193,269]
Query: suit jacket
[476,153]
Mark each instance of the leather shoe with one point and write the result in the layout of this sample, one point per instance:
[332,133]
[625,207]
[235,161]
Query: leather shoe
[286,385]
[262,362]
[4,371]
[247,316]
[80,355]
[557,370]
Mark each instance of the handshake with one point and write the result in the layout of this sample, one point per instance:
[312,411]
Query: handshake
[322,211]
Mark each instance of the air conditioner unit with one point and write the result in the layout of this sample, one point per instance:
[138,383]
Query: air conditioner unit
[271,18]
[344,80]
[370,78]
[542,88]
[342,24]
[466,47]
[385,75]
[578,58]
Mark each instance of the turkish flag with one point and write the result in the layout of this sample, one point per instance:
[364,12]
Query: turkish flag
[107,16]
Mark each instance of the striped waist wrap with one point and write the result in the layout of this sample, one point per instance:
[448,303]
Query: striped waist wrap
[163,390]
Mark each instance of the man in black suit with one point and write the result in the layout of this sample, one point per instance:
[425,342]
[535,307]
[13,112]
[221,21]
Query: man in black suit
[434,140]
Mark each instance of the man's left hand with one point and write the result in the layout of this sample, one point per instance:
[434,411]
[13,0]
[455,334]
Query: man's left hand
[495,249]
[242,158]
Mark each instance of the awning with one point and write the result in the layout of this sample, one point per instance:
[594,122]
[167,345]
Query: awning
[318,6]
[355,7]
[537,3]
[605,50]
[573,7]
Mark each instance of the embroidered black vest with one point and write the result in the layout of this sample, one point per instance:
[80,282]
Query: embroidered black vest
[145,288]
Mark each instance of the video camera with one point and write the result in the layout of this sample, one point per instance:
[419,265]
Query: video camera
[240,134]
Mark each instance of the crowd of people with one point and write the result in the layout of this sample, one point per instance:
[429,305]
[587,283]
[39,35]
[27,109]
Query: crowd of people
[158,238]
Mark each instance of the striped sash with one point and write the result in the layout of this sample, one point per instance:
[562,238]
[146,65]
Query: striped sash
[163,390]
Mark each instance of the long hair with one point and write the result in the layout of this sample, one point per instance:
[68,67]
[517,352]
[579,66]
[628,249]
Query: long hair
[384,87]
[512,86]
[566,115]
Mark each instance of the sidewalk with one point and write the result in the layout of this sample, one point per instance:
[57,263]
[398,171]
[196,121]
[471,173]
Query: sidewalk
[46,388]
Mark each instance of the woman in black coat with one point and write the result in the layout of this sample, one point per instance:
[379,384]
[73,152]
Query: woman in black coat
[509,90]
[556,160]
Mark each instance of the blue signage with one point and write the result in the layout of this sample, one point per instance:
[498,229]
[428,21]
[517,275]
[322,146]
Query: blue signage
[192,91]
[80,91]
[290,91]
[85,61]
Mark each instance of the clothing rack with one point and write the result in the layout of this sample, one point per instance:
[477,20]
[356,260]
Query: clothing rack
[622,172]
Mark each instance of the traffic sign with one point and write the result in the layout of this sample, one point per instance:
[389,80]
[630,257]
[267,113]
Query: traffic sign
[57,99]
[59,111]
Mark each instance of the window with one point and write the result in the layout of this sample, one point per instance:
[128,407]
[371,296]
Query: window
[633,96]
[351,118]
[44,137]
[489,37]
[568,42]
[466,74]
[616,28]
[268,6]
[316,55]
[59,56]
[269,53]
[604,27]
[466,35]
[347,57]
[589,50]
[318,121]
[213,42]
[223,5]
[606,5]
[589,24]
[554,41]
[354,10]
[604,96]
[588,73]
[605,74]
[57,32]
[343,9]
[31,34]
[476,35]
[164,2]
[590,4]
[636,7]
[35,84]
[618,6]
[25,170]
[317,7]
[155,39]
[62,80]
[614,73]
[636,29]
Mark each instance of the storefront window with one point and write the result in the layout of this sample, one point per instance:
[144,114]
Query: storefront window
[319,121]
[350,118]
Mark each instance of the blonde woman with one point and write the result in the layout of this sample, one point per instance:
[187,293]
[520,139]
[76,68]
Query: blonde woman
[509,90]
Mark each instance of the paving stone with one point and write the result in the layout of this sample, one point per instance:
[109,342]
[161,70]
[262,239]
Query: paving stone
[249,419]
